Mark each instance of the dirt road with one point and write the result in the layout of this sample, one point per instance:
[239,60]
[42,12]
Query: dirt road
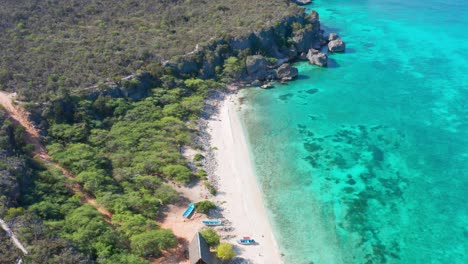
[32,136]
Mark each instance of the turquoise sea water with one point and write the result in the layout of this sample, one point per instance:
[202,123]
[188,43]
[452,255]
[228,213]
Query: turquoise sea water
[366,161]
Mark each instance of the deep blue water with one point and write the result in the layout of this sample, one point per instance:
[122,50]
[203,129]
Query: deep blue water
[366,161]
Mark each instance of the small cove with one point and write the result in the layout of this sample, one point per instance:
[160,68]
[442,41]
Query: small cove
[366,161]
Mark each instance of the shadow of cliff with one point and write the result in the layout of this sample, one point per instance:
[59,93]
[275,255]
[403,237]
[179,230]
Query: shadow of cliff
[332,64]
[302,77]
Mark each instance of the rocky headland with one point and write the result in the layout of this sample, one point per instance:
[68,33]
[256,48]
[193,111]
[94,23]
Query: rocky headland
[265,56]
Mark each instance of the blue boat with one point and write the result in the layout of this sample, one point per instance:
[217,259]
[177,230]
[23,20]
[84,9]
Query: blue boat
[189,210]
[212,222]
[246,241]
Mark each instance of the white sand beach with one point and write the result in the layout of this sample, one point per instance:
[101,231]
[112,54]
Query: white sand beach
[238,193]
[238,190]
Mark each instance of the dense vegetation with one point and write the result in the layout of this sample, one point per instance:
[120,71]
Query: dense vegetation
[225,251]
[212,238]
[122,152]
[204,206]
[34,202]
[54,44]
[8,252]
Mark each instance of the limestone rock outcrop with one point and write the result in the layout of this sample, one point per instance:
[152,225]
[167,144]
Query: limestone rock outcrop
[335,43]
[308,36]
[333,36]
[318,58]
[336,46]
[257,67]
[286,72]
[302,31]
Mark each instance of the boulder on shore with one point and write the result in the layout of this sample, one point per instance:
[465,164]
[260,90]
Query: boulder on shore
[285,72]
[337,45]
[318,58]
[267,85]
[256,83]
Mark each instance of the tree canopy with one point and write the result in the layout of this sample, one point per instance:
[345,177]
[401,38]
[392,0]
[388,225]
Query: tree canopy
[209,234]
[225,251]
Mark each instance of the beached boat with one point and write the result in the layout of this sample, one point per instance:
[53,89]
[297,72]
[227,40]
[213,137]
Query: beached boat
[246,241]
[212,222]
[189,210]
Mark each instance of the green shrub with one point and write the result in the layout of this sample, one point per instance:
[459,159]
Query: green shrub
[225,251]
[153,242]
[233,68]
[177,172]
[209,234]
[210,188]
[202,174]
[204,206]
[198,157]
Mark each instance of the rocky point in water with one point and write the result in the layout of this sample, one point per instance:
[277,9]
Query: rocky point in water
[335,44]
[318,58]
[285,72]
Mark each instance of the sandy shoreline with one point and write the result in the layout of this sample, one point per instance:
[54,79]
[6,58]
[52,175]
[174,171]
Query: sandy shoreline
[239,198]
[238,191]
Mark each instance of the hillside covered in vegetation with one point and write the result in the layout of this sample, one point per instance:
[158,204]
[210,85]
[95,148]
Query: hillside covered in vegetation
[47,45]
[122,152]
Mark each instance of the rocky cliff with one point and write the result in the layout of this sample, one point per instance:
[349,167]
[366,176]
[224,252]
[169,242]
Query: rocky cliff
[285,41]
[296,37]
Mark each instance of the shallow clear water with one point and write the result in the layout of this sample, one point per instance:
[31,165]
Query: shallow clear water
[366,161]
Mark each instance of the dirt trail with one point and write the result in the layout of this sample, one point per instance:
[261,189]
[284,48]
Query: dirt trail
[32,136]
[13,237]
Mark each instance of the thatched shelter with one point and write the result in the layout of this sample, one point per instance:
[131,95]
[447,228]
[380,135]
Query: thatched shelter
[199,251]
